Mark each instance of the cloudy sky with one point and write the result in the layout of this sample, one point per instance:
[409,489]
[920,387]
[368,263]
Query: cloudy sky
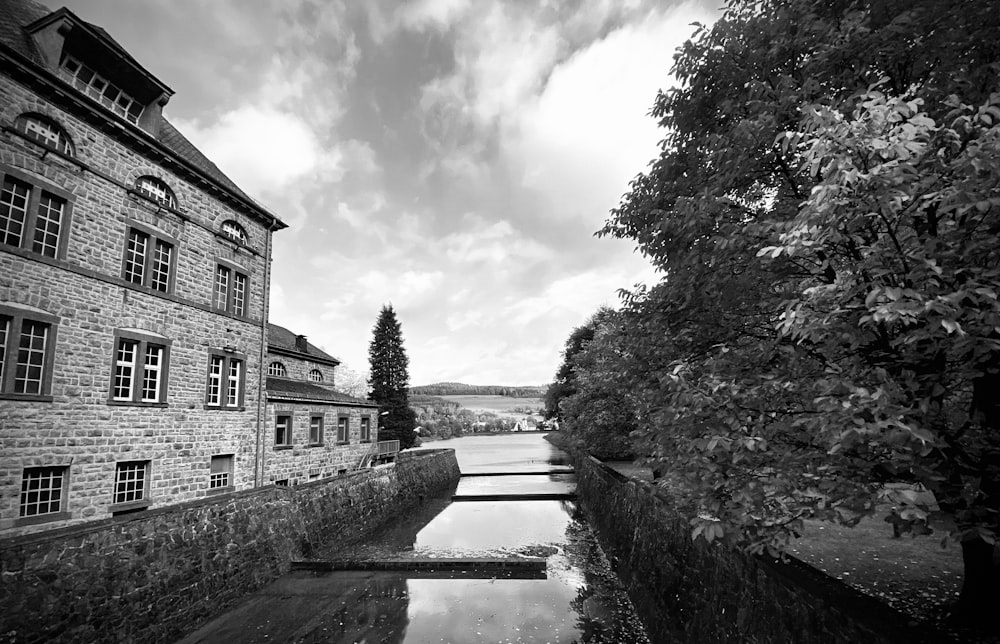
[450,157]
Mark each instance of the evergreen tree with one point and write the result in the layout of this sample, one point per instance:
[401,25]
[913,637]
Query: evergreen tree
[390,379]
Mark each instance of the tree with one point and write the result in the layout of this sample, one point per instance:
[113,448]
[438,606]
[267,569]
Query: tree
[564,384]
[390,380]
[826,208]
[351,382]
[599,414]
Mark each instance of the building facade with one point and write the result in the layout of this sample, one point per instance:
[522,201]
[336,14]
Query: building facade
[134,283]
[314,430]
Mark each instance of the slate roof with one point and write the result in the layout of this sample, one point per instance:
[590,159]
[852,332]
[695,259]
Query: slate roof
[278,337]
[285,389]
[16,14]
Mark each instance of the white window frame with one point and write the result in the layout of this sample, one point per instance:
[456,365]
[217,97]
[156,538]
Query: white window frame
[154,266]
[16,326]
[51,492]
[36,219]
[125,495]
[45,131]
[225,388]
[129,377]
[230,289]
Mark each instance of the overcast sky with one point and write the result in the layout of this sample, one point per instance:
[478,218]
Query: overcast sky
[453,158]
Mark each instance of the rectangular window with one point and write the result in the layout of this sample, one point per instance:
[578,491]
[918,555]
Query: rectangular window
[222,287]
[13,211]
[152,370]
[148,260]
[135,256]
[282,430]
[233,383]
[366,429]
[31,358]
[160,277]
[222,472]
[239,294]
[230,292]
[131,482]
[316,430]
[215,366]
[31,218]
[47,223]
[226,378]
[342,429]
[26,352]
[100,89]
[140,368]
[43,491]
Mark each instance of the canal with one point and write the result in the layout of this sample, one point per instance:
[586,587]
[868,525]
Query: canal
[513,502]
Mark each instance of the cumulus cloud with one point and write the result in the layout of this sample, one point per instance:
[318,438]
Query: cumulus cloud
[582,139]
[261,148]
[448,156]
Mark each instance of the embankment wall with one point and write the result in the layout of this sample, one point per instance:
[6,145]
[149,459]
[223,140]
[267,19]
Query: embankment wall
[692,591]
[156,575]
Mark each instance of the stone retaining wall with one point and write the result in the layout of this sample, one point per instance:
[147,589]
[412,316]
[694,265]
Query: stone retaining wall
[690,591]
[156,575]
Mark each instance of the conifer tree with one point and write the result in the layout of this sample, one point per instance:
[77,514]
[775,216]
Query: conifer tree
[390,379]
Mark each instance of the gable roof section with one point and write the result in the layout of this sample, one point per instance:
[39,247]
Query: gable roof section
[282,341]
[298,391]
[15,18]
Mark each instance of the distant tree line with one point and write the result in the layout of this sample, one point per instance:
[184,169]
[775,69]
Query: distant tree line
[460,389]
[440,418]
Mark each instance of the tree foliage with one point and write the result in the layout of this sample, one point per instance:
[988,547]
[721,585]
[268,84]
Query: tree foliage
[598,415]
[826,208]
[390,379]
[564,384]
[351,382]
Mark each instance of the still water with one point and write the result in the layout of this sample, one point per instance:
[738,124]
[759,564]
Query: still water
[579,600]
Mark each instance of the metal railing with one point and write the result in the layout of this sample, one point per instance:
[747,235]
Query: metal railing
[382,450]
[387,448]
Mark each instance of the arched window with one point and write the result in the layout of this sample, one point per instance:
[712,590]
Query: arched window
[316,375]
[156,190]
[234,231]
[276,369]
[45,131]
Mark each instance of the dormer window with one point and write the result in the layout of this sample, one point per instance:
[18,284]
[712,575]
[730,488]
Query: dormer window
[100,89]
[276,369]
[156,190]
[315,375]
[45,131]
[235,232]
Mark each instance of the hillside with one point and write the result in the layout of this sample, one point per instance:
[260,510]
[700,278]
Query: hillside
[461,389]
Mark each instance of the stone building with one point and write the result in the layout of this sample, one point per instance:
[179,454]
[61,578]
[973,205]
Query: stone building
[315,431]
[134,282]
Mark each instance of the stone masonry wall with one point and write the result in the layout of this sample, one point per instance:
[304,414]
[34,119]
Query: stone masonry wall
[301,461]
[690,591]
[79,427]
[156,576]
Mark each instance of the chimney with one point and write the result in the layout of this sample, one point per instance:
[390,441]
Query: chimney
[301,344]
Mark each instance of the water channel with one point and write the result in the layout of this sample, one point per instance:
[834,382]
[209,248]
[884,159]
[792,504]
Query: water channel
[576,599]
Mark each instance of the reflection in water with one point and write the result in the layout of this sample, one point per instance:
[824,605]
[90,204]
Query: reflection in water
[484,529]
[580,600]
[533,484]
[490,611]
[505,453]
